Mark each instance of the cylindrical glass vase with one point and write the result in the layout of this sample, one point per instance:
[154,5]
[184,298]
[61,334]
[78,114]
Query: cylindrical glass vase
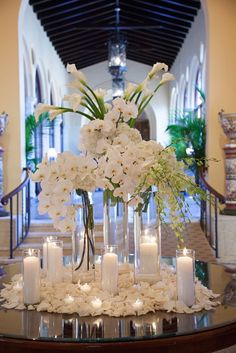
[147,243]
[116,226]
[185,276]
[55,261]
[83,252]
[45,250]
[31,276]
[109,270]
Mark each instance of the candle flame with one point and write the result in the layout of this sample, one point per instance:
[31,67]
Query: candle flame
[185,251]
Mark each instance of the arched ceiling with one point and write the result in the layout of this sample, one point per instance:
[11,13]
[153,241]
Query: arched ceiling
[153,29]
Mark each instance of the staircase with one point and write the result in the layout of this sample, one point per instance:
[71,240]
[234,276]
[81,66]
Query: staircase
[40,229]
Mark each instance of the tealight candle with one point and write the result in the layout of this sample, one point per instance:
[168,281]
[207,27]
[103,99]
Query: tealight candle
[31,274]
[85,287]
[185,276]
[96,303]
[137,305]
[68,299]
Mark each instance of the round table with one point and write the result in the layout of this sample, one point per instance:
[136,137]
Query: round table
[202,332]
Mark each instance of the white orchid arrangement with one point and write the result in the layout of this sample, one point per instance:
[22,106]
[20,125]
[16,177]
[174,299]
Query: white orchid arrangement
[114,156]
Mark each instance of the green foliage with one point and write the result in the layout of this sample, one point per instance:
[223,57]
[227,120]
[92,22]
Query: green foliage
[188,137]
[190,132]
[30,129]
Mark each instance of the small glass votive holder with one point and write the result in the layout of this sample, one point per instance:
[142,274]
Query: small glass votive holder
[185,276]
[55,261]
[46,240]
[147,249]
[31,276]
[110,269]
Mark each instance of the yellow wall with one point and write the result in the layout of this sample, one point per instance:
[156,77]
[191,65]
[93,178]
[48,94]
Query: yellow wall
[221,79]
[9,91]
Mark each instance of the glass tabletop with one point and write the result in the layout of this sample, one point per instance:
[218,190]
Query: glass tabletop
[60,327]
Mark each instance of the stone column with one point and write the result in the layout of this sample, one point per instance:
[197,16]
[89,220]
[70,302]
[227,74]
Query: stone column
[228,123]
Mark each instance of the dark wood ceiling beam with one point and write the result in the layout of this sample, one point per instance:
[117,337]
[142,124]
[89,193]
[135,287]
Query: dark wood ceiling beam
[81,55]
[74,33]
[159,22]
[147,38]
[177,19]
[132,26]
[82,58]
[41,6]
[187,4]
[156,16]
[65,30]
[149,60]
[77,15]
[164,7]
[77,21]
[84,41]
[155,58]
[153,35]
[76,7]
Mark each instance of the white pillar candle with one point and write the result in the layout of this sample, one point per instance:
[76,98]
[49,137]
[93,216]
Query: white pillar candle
[55,262]
[31,272]
[185,276]
[148,255]
[110,272]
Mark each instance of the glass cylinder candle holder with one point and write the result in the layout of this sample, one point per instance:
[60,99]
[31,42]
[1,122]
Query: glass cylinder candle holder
[185,276]
[109,269]
[55,261]
[45,250]
[83,261]
[147,242]
[31,276]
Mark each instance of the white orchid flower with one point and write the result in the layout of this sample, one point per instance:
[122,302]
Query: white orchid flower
[57,211]
[63,186]
[131,111]
[119,104]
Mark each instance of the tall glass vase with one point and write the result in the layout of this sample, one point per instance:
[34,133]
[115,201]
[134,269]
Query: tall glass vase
[83,251]
[147,242]
[116,226]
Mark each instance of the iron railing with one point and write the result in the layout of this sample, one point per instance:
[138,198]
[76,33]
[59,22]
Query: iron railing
[19,207]
[210,212]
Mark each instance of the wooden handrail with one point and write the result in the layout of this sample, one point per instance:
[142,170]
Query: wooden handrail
[220,197]
[20,187]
